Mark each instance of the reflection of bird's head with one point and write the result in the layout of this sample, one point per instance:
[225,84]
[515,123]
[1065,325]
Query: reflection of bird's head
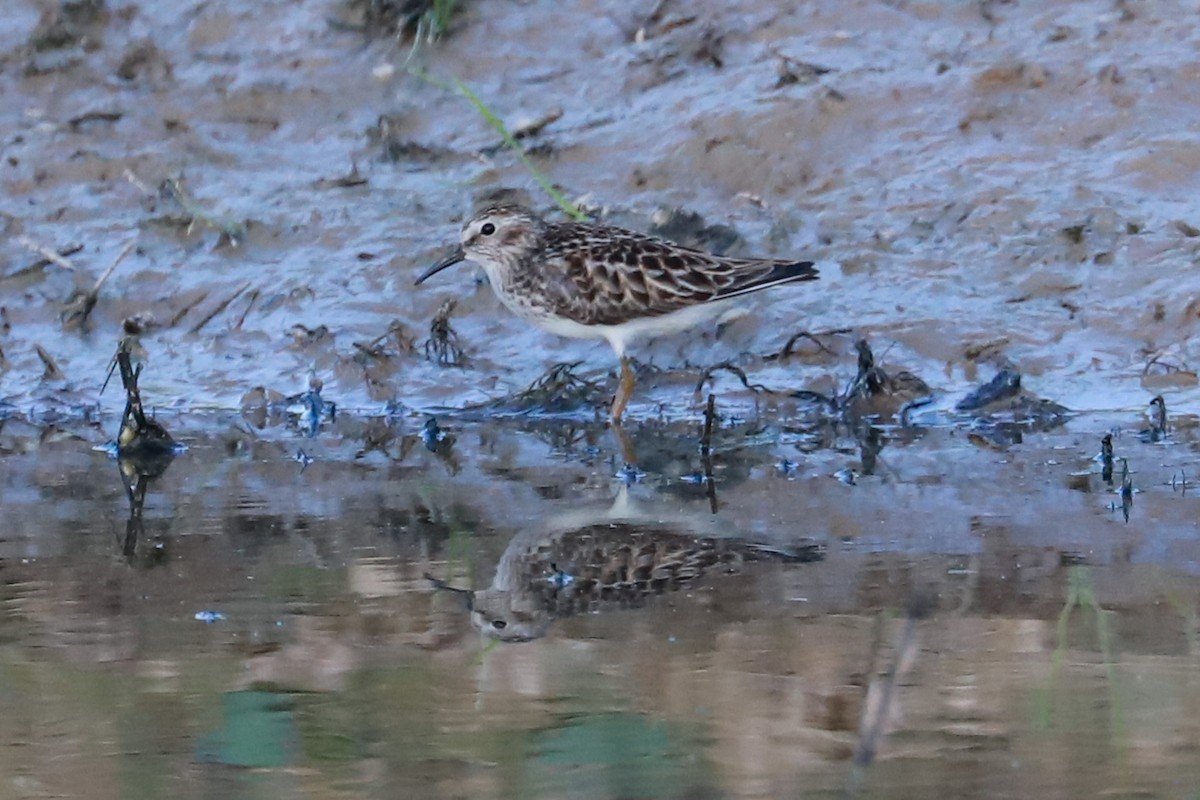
[614,556]
[508,616]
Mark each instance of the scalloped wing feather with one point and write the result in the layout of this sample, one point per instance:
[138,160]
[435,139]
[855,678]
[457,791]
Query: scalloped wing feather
[611,275]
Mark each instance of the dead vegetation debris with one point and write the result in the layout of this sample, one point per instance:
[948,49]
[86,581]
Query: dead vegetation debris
[559,391]
[81,121]
[877,393]
[50,369]
[79,305]
[48,256]
[1162,370]
[738,372]
[304,336]
[397,336]
[710,49]
[231,233]
[1004,384]
[658,22]
[442,345]
[349,180]
[140,435]
[73,22]
[220,307]
[525,129]
[378,360]
[34,272]
[530,127]
[794,72]
[789,347]
[1187,229]
[188,305]
[313,409]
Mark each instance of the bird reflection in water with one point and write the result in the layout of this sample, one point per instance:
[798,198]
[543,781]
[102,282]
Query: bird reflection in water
[617,557]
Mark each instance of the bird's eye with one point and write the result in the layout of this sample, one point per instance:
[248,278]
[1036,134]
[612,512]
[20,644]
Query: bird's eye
[488,229]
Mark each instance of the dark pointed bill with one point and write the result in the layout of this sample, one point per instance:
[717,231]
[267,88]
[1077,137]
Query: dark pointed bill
[449,261]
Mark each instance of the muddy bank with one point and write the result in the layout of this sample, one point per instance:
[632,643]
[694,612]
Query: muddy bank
[1009,181]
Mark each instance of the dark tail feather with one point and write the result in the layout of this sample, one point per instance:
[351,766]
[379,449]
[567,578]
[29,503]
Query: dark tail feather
[780,272]
[785,272]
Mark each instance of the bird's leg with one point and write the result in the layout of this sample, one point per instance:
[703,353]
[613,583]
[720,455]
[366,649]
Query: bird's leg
[623,393]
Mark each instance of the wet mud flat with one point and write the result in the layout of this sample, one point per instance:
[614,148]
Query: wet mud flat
[953,609]
[399,555]
[982,186]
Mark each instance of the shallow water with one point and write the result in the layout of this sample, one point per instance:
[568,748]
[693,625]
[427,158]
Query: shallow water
[1053,653]
[985,186]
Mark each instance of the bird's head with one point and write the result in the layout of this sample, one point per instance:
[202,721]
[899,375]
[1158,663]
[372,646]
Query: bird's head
[499,238]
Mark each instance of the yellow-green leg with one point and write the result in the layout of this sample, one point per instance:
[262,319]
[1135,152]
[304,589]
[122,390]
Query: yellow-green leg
[623,392]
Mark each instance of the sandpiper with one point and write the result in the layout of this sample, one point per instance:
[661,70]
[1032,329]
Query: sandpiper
[591,281]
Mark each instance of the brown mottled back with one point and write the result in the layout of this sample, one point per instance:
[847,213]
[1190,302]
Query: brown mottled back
[600,275]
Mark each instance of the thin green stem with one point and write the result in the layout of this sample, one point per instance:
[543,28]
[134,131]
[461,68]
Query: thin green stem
[510,141]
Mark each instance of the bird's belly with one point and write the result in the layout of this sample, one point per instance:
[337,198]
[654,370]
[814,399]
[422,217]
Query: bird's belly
[547,321]
[560,326]
[621,335]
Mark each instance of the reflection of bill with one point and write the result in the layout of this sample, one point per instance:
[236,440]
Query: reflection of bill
[607,558]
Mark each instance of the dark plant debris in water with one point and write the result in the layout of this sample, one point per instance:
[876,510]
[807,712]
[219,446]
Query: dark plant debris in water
[140,436]
[442,345]
[729,366]
[789,347]
[1126,490]
[875,391]
[314,409]
[559,391]
[1158,421]
[221,306]
[144,451]
[1106,459]
[1002,398]
[1004,385]
[396,335]
[1000,410]
[305,411]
